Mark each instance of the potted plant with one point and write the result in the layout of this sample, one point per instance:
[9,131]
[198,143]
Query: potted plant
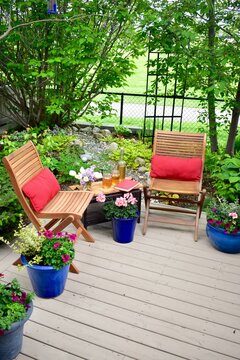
[46,256]
[223,225]
[123,212]
[15,309]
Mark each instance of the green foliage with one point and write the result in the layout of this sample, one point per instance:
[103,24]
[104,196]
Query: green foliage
[123,130]
[226,176]
[132,149]
[88,48]
[13,304]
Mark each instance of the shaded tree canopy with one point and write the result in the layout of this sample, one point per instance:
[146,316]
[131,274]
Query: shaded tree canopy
[52,66]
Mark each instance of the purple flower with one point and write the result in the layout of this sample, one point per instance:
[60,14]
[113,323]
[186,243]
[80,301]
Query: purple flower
[1,275]
[235,231]
[219,222]
[23,298]
[72,237]
[65,258]
[57,245]
[15,298]
[60,234]
[214,210]
[48,234]
[210,221]
[1,332]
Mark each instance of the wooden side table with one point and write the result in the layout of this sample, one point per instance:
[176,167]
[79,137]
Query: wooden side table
[94,213]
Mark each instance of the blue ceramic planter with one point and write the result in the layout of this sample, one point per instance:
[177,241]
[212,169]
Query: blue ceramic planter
[229,243]
[46,281]
[11,341]
[123,229]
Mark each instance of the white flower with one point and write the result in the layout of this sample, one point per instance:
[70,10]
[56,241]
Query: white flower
[72,173]
[85,178]
[97,175]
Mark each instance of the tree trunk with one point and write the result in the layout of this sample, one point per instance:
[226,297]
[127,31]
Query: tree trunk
[234,124]
[211,79]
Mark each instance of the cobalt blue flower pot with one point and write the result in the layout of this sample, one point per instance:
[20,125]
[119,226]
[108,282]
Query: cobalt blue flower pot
[123,229]
[46,281]
[11,341]
[228,243]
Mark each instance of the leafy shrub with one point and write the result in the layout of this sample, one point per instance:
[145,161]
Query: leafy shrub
[226,176]
[132,149]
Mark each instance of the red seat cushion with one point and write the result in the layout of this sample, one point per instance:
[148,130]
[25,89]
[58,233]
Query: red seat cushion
[175,168]
[41,189]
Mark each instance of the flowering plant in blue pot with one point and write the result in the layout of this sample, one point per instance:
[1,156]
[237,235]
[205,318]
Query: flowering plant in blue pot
[15,309]
[14,304]
[123,207]
[47,257]
[44,247]
[123,212]
[225,215]
[223,225]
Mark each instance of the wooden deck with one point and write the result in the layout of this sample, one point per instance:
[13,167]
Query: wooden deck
[162,297]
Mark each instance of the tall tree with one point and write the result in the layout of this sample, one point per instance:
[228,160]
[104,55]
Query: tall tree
[204,35]
[53,66]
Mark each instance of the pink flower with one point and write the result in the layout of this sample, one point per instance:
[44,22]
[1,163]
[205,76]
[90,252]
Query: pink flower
[72,237]
[233,215]
[57,245]
[101,198]
[65,258]
[48,234]
[60,234]
[1,275]
[121,201]
[14,297]
[130,198]
[210,221]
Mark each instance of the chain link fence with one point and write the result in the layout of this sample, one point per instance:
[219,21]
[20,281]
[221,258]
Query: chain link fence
[166,113]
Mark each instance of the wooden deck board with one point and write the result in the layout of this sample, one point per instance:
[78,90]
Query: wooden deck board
[161,297]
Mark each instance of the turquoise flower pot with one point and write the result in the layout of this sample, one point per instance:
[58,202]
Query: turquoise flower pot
[46,281]
[123,229]
[11,341]
[228,243]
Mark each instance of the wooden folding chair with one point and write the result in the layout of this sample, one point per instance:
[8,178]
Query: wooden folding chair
[176,191]
[65,208]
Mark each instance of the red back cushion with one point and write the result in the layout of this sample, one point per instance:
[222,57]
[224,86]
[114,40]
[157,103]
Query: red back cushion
[41,189]
[174,168]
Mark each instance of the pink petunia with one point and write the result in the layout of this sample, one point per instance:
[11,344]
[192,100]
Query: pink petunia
[101,198]
[65,258]
[60,234]
[233,215]
[72,237]
[48,234]
[57,245]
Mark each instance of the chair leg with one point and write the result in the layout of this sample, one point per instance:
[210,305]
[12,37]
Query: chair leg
[50,224]
[201,201]
[74,269]
[63,224]
[81,230]
[147,206]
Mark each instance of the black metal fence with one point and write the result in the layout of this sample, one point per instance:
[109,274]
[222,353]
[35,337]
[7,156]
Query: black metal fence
[140,111]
